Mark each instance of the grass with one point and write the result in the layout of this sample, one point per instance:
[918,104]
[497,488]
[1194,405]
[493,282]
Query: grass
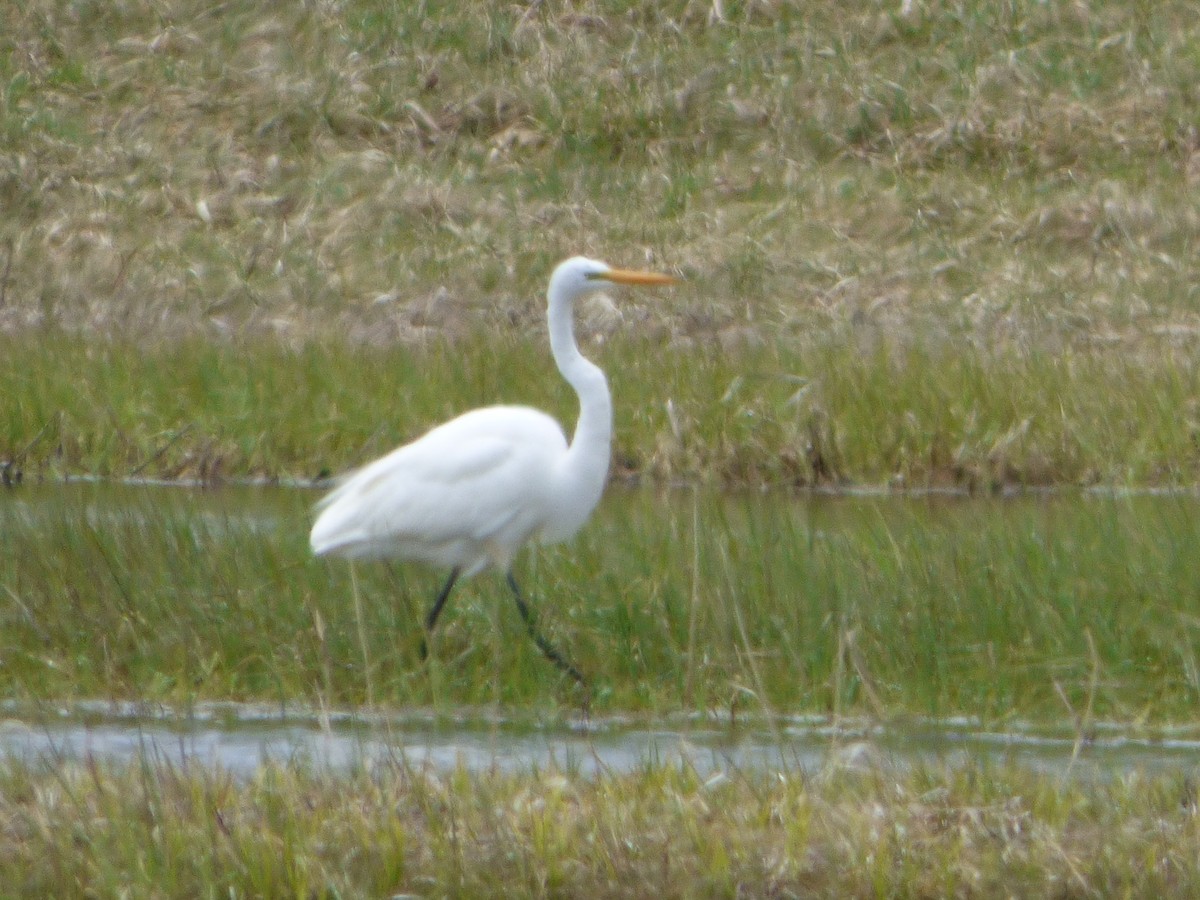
[964,230]
[802,415]
[1029,609]
[395,831]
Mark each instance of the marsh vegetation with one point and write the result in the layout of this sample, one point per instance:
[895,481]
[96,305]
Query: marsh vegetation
[923,243]
[1001,609]
[926,245]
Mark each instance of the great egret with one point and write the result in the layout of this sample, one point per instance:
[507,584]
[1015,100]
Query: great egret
[471,492]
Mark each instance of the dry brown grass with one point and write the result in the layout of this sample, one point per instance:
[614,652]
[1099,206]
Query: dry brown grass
[1018,172]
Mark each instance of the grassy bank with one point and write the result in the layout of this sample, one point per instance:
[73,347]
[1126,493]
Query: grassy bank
[826,411]
[87,831]
[927,242]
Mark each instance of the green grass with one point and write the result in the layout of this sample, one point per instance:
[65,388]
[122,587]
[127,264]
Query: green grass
[1029,609]
[802,414]
[291,831]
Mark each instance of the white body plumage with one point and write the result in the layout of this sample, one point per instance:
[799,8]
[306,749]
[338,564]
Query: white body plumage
[469,493]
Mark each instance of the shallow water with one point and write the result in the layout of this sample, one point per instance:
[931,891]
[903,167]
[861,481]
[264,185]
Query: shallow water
[240,739]
[1043,598]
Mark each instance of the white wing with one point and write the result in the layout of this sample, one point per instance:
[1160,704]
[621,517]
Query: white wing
[467,494]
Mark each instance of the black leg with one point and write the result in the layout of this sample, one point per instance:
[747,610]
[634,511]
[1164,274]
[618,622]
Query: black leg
[550,653]
[436,610]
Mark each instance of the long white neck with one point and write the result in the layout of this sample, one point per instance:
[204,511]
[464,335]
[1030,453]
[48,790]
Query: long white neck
[587,459]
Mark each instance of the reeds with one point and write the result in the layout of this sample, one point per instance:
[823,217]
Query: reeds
[821,412]
[1027,608]
[392,830]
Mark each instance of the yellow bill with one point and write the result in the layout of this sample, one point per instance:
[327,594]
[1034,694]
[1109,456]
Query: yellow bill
[632,276]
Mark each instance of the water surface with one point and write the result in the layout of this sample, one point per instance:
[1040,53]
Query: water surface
[240,739]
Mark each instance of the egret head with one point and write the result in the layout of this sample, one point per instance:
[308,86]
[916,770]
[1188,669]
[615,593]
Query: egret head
[579,275]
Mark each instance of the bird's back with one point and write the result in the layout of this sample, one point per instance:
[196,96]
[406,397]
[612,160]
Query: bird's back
[466,494]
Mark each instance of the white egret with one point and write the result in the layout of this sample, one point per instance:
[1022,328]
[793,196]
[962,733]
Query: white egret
[471,492]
